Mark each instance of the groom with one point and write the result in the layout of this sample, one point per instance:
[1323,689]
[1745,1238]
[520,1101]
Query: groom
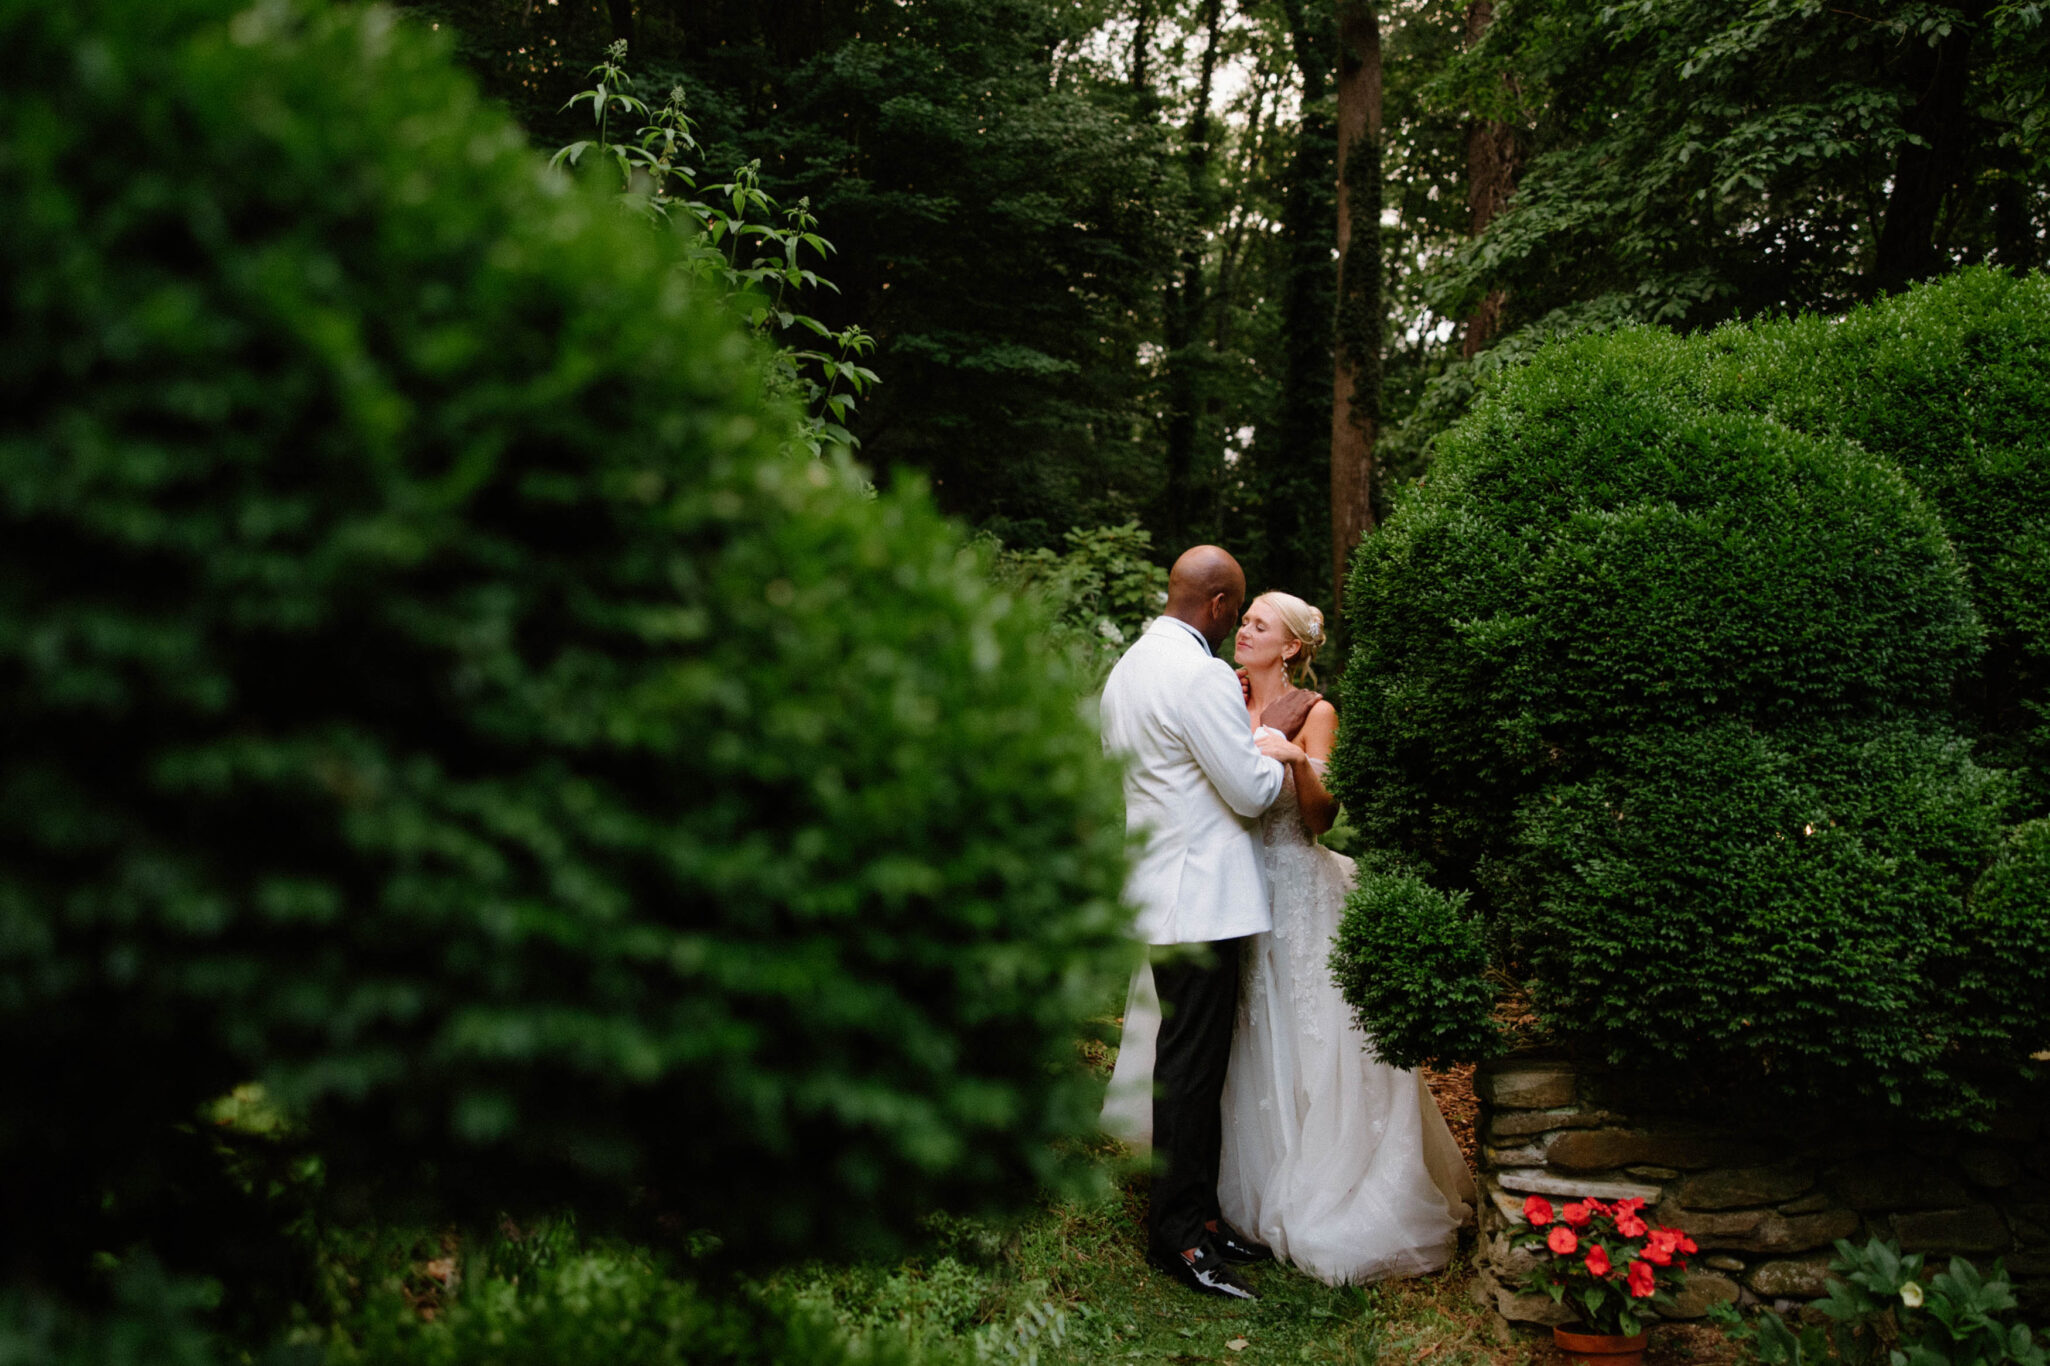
[1195,786]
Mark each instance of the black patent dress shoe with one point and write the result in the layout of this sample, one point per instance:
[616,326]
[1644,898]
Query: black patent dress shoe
[1236,1247]
[1207,1273]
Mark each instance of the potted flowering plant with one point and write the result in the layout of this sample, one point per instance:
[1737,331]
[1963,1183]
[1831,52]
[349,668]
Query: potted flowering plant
[1607,1265]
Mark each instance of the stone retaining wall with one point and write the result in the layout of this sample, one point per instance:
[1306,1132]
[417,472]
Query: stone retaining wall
[1764,1200]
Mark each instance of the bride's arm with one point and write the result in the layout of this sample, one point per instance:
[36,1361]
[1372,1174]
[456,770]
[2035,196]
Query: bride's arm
[1319,733]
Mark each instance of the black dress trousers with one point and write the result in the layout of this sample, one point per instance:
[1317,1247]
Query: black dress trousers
[1198,986]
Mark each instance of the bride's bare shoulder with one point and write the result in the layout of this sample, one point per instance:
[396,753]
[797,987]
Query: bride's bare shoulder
[1320,729]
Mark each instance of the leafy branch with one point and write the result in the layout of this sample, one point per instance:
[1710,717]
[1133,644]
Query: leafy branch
[741,239]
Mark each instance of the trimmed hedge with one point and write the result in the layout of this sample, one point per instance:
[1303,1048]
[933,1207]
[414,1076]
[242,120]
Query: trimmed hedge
[428,690]
[1952,382]
[1669,688]
[1412,958]
[1790,900]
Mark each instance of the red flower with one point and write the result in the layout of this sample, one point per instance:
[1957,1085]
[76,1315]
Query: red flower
[1595,1207]
[1575,1213]
[1537,1211]
[1562,1239]
[1628,1224]
[1663,1243]
[1629,1204]
[1640,1276]
[1597,1261]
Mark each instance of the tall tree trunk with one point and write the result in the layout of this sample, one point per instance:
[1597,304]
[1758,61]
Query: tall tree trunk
[1492,160]
[1356,348]
[1142,43]
[1261,126]
[1927,171]
[1292,456]
[1183,305]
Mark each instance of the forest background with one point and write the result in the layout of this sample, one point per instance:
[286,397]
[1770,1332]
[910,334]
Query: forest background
[1098,242]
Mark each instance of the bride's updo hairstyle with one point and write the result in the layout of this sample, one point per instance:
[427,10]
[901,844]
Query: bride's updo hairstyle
[1306,624]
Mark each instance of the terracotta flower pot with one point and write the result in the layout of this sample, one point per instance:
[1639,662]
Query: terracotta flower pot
[1604,1349]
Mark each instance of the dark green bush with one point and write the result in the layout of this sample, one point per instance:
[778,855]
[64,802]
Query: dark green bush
[2010,919]
[1791,897]
[426,689]
[1592,555]
[1669,688]
[1409,960]
[1952,381]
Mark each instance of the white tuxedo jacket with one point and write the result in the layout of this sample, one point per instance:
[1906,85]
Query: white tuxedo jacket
[1195,785]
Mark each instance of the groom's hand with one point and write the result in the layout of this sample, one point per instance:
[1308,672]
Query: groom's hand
[1246,686]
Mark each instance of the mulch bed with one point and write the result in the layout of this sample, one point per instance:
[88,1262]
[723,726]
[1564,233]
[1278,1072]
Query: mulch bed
[1453,1086]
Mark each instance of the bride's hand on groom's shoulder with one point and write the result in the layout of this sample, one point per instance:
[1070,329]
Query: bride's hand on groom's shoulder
[1275,745]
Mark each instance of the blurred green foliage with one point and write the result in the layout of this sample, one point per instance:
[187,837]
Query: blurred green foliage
[549,1298]
[1670,685]
[150,1319]
[430,691]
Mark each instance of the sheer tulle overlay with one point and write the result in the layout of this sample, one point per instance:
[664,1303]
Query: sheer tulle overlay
[1342,1164]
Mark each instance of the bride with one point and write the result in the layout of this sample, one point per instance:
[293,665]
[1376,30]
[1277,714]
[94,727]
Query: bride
[1341,1164]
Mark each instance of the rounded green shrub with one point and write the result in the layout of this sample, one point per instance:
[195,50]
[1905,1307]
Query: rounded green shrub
[1410,960]
[1952,382]
[1592,555]
[1789,900]
[1668,687]
[428,689]
[2010,939]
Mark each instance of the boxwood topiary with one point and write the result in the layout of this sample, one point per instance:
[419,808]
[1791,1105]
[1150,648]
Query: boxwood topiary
[1668,687]
[1952,381]
[1789,900]
[428,690]
[1411,960]
[2010,920]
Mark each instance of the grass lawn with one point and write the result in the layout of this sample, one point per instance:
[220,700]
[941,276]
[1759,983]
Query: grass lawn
[1081,1268]
[1072,1286]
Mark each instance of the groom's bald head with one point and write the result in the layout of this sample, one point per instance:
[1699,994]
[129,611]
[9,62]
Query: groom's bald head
[1206,588]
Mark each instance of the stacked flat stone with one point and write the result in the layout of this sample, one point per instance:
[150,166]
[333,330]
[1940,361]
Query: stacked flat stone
[1764,1203]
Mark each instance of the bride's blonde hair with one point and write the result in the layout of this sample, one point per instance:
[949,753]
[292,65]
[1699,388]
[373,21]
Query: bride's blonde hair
[1305,624]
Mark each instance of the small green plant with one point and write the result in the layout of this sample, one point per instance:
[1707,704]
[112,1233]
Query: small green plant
[1882,1306]
[740,239]
[1410,960]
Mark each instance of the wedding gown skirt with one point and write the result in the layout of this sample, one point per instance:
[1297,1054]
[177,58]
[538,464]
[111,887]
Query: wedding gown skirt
[1342,1164]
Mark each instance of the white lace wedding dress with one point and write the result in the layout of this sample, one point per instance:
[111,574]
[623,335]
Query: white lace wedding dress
[1342,1164]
